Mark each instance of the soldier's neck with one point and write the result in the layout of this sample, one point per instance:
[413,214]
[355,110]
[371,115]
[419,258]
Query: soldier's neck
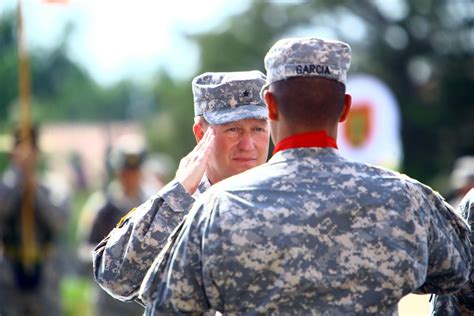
[283,129]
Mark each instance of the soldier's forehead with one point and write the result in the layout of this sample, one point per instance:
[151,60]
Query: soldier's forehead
[242,122]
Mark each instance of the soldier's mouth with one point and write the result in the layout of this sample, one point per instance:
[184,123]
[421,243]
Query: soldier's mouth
[244,159]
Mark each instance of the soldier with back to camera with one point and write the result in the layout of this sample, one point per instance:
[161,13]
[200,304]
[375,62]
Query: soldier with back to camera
[309,232]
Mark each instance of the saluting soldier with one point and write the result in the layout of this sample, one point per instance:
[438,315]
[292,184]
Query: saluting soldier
[309,232]
[232,134]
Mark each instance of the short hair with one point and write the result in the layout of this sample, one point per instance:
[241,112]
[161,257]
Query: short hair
[309,101]
[199,119]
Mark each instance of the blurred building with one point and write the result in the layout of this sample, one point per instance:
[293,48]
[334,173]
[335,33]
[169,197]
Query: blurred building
[88,141]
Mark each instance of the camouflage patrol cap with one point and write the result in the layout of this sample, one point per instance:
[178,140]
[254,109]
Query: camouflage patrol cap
[128,152]
[307,57]
[223,97]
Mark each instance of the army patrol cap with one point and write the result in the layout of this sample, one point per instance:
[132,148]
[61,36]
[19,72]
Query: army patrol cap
[307,57]
[131,160]
[128,152]
[223,97]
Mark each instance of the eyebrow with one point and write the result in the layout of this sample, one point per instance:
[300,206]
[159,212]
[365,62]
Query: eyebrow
[236,123]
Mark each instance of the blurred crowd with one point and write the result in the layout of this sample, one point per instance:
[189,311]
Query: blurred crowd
[49,226]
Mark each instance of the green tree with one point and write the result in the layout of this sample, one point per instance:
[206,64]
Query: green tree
[170,128]
[8,63]
[61,89]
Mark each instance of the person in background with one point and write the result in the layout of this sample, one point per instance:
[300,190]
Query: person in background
[159,168]
[462,197]
[309,232]
[126,190]
[462,179]
[461,302]
[32,217]
[232,135]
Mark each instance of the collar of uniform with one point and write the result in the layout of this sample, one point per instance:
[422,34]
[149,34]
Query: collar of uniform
[309,139]
[204,184]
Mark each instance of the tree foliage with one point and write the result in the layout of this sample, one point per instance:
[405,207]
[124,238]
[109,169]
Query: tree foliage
[61,88]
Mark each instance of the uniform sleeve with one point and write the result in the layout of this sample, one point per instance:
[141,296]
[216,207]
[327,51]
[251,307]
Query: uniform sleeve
[120,261]
[182,278]
[461,302]
[449,261]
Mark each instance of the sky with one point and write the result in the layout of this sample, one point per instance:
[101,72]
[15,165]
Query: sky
[117,39]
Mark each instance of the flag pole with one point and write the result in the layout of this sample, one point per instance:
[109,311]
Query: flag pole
[29,249]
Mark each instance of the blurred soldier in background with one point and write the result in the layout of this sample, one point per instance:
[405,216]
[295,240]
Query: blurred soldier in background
[29,284]
[461,302]
[126,190]
[159,168]
[462,197]
[462,179]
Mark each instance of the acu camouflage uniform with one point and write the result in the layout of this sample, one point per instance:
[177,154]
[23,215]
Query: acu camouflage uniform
[122,259]
[461,302]
[115,206]
[310,233]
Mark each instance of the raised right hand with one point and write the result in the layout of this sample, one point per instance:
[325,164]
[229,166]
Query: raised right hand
[192,167]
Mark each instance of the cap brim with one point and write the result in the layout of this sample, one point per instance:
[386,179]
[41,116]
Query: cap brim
[236,114]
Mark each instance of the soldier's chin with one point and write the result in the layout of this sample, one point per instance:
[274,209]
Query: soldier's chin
[244,166]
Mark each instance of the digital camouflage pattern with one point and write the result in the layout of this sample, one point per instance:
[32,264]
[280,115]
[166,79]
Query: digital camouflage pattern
[310,233]
[115,205]
[305,57]
[461,302]
[121,260]
[223,97]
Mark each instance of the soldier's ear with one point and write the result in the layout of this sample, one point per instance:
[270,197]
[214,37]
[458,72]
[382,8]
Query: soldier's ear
[198,132]
[346,108]
[272,105]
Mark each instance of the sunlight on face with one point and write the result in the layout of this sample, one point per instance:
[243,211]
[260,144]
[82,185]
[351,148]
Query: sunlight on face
[239,146]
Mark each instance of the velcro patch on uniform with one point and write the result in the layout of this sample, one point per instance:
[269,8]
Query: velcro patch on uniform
[293,70]
[125,217]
